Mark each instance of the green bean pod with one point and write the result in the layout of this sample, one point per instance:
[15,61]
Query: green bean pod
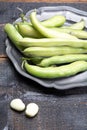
[28,31]
[13,35]
[56,72]
[78,33]
[77,26]
[54,21]
[51,51]
[52,42]
[63,59]
[48,32]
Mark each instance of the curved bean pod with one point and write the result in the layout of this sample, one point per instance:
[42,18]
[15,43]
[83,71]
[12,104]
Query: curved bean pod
[56,72]
[52,42]
[63,59]
[78,33]
[13,35]
[51,51]
[57,20]
[78,25]
[48,32]
[53,21]
[28,31]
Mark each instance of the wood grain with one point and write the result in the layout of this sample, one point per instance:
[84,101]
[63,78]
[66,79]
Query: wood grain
[45,1]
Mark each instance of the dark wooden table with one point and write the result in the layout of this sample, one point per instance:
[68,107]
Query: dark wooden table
[59,110]
[51,1]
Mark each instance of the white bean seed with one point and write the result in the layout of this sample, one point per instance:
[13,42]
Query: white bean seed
[31,109]
[17,104]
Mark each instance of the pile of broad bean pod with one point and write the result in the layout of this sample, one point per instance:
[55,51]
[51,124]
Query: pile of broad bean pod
[50,49]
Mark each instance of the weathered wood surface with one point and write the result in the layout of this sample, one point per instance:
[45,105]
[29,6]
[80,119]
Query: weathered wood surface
[59,110]
[45,1]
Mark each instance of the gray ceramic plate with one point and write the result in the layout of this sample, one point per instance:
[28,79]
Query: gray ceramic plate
[72,15]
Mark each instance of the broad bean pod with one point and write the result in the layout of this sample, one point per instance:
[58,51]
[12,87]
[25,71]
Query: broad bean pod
[56,72]
[28,31]
[13,35]
[48,32]
[77,26]
[58,21]
[78,33]
[63,59]
[54,21]
[51,51]
[52,42]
